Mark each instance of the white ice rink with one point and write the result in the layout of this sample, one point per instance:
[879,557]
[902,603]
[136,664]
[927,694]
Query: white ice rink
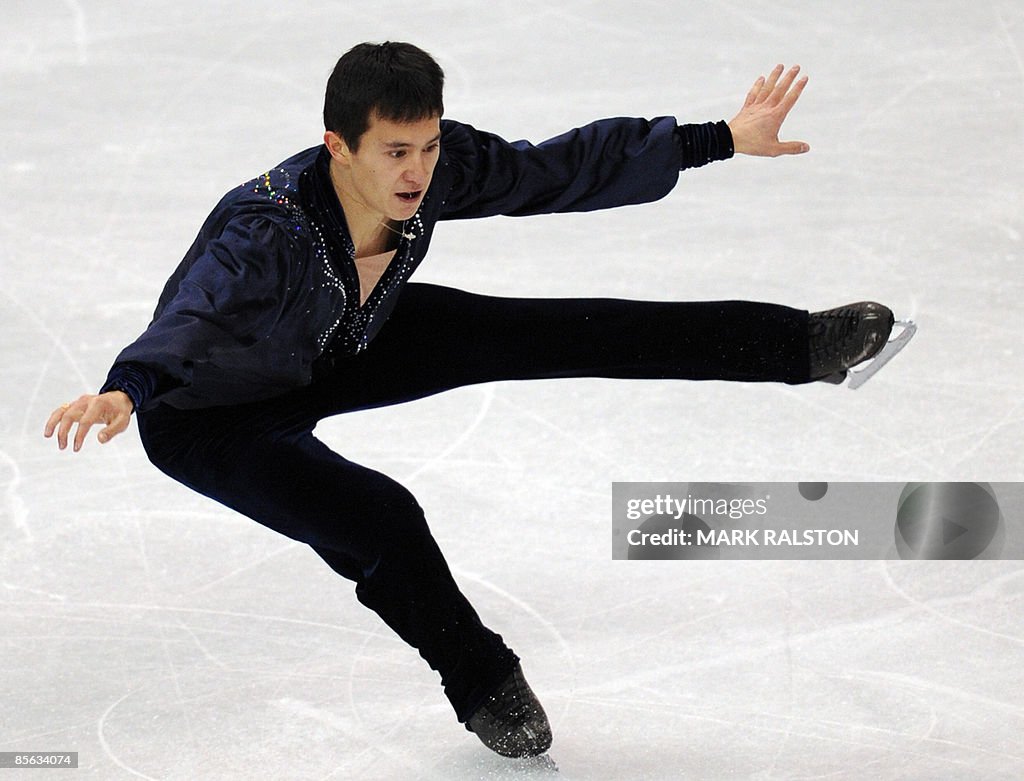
[162,636]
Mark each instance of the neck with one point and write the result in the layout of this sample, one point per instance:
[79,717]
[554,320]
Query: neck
[371,231]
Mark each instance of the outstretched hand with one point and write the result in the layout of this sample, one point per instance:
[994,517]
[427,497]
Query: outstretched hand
[755,129]
[113,408]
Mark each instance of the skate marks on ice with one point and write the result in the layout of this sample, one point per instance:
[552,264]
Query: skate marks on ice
[495,768]
[892,348]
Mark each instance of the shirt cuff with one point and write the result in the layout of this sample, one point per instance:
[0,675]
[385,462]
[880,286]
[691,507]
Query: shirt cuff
[703,144]
[134,379]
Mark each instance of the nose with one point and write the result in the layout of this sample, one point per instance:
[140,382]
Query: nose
[418,170]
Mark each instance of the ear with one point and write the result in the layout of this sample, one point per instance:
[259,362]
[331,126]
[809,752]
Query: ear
[337,147]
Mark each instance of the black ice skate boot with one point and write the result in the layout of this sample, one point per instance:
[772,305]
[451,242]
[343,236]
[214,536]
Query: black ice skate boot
[842,338]
[511,722]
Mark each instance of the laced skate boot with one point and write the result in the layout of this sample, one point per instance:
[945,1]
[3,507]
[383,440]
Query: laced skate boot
[511,722]
[842,338]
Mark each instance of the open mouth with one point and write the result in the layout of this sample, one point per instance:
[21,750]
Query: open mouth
[410,197]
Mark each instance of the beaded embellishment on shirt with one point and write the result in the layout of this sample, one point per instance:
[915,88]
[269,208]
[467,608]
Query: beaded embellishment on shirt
[277,186]
[351,326]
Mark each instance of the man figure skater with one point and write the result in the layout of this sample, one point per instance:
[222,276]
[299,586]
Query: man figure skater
[293,304]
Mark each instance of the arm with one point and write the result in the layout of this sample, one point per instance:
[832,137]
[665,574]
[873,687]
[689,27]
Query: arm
[608,163]
[216,341]
[225,335]
[611,162]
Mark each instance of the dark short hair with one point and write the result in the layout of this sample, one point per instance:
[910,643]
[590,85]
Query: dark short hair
[396,81]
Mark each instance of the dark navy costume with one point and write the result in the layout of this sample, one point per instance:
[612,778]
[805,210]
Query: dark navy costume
[259,334]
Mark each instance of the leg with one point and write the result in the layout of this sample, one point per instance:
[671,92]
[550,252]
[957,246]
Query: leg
[263,461]
[439,338]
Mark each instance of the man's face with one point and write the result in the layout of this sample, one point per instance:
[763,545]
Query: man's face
[394,165]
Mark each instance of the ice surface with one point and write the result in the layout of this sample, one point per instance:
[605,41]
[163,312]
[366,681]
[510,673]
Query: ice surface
[162,636]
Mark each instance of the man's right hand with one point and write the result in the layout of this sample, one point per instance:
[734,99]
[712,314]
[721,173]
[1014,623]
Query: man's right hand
[113,408]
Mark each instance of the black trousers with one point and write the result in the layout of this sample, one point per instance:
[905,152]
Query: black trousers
[262,459]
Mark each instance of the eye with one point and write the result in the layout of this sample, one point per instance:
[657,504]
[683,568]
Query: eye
[398,154]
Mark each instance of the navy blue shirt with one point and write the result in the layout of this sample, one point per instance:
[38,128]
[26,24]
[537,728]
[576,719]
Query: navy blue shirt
[269,290]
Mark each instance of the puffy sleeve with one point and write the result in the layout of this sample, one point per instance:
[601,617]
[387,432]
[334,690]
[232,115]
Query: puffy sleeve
[608,163]
[222,336]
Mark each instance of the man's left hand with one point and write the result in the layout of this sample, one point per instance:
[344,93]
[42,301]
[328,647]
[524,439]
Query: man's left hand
[755,129]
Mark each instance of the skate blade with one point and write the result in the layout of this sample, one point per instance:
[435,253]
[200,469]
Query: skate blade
[537,767]
[887,353]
